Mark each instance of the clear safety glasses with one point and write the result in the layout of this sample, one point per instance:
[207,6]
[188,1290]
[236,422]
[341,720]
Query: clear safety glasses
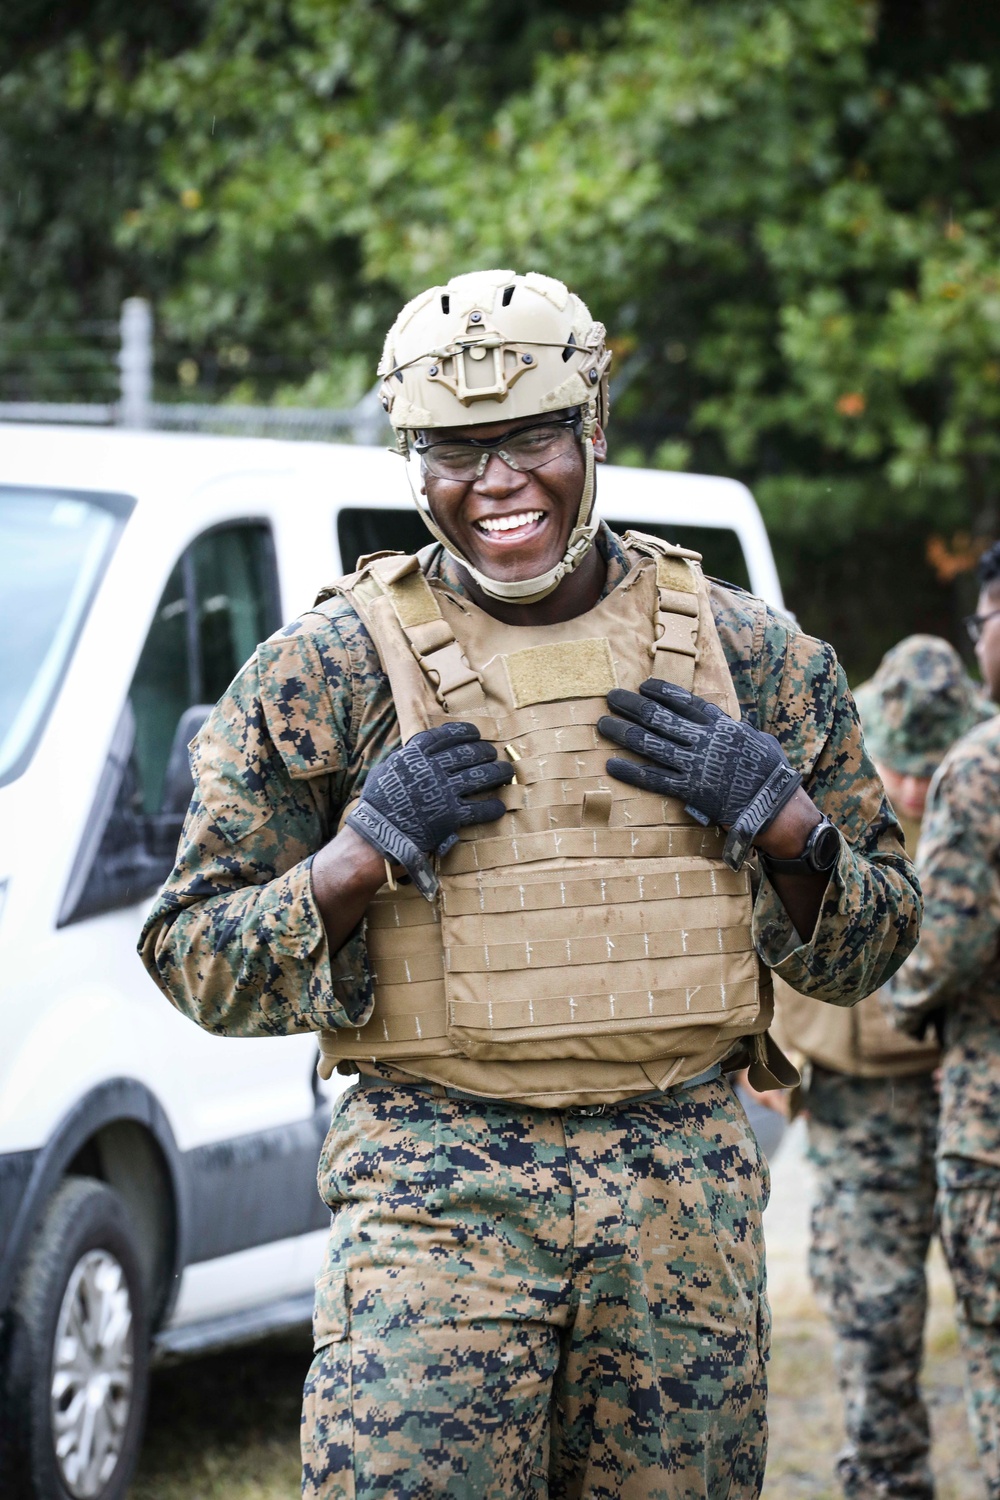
[975,624]
[462,460]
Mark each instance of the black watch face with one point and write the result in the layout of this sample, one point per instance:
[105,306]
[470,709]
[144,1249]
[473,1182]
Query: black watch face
[826,847]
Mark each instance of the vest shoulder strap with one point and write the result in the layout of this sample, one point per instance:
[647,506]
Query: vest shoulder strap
[393,597]
[682,600]
[655,546]
[350,581]
[457,685]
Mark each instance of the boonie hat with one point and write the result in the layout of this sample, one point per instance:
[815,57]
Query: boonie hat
[918,703]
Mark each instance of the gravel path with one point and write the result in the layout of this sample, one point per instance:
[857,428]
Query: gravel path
[804,1405]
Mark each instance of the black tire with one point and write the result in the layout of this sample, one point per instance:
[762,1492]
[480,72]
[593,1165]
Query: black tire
[85,1238]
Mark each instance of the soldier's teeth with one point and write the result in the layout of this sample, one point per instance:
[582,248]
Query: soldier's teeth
[510,523]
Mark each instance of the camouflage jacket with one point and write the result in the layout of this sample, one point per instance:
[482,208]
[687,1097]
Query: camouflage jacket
[235,938]
[954,976]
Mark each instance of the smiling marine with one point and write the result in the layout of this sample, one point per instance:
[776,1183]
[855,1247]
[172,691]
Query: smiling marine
[520,826]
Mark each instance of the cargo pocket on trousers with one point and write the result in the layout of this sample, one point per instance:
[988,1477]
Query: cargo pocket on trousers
[763,1325]
[328,1467]
[970,1236]
[330,1310]
[328,1456]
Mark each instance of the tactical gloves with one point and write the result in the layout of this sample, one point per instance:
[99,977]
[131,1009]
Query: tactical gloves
[414,803]
[723,769]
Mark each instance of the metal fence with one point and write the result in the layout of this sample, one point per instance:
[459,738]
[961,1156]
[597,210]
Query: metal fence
[118,361]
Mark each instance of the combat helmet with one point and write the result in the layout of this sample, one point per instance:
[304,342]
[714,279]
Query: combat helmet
[918,703]
[493,346]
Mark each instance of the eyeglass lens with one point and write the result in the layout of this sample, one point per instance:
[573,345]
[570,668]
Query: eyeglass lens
[974,624]
[525,450]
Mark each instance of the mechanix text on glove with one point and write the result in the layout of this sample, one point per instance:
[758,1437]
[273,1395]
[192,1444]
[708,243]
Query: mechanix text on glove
[413,803]
[723,769]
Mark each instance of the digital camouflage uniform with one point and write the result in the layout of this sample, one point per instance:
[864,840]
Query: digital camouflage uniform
[872,1107]
[872,1143]
[953,980]
[515,1301]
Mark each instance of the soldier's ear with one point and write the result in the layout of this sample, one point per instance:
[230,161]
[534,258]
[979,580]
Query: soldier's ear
[600,444]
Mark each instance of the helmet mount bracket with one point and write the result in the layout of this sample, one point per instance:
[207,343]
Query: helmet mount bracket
[465,368]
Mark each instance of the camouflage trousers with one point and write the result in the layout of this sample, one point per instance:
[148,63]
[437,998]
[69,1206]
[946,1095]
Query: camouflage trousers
[554,1304]
[872,1141]
[969,1210]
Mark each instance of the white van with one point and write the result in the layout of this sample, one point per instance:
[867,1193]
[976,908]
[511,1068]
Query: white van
[157,1184]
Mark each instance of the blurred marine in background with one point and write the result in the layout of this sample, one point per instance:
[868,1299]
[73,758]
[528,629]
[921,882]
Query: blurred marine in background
[952,985]
[545,1269]
[872,1103]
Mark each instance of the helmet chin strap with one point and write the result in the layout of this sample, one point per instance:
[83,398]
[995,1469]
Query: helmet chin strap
[531,590]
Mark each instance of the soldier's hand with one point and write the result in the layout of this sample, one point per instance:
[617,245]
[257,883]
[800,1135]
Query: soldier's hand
[724,770]
[416,800]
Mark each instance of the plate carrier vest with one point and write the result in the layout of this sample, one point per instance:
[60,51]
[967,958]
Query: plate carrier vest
[592,945]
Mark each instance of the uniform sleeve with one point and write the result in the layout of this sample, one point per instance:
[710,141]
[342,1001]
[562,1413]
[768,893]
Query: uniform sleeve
[870,917]
[235,939]
[957,860]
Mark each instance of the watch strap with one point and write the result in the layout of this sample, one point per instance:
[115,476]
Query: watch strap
[805,863]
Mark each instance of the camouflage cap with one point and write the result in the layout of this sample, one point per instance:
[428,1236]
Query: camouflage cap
[919,702]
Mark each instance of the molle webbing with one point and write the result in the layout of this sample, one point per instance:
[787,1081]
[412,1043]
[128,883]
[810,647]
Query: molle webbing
[594,925]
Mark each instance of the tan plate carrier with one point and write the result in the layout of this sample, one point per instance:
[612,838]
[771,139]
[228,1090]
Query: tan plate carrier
[859,1040]
[592,944]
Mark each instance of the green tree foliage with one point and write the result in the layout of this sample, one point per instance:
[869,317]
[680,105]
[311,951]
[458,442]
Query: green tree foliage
[785,210]
[294,136]
[70,167]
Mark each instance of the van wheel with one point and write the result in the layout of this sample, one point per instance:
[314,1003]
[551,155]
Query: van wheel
[78,1354]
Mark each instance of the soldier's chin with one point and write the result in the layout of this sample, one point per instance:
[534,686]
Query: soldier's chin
[517,566]
[513,559]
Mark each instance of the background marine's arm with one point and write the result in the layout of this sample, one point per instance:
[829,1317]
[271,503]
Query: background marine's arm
[957,862]
[870,911]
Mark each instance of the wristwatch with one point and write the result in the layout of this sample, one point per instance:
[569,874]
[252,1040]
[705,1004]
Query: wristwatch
[817,858]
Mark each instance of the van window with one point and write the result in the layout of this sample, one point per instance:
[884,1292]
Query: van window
[720,548]
[220,600]
[362,531]
[54,548]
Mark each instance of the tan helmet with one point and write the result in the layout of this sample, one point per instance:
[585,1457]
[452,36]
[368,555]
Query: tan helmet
[492,346]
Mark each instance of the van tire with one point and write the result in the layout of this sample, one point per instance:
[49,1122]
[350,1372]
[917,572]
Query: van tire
[82,1258]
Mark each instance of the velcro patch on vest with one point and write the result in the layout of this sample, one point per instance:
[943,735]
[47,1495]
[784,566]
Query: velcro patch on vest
[674,573]
[412,599]
[566,669]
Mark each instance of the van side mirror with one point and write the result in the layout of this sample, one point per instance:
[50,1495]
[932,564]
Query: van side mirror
[125,854]
[178,784]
